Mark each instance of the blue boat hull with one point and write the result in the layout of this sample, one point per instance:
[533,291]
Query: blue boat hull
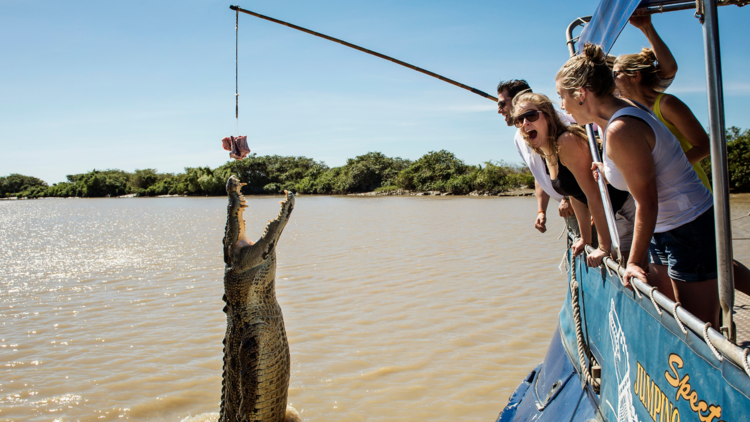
[651,370]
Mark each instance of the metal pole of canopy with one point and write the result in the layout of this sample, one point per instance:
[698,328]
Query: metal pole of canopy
[719,166]
[595,152]
[364,50]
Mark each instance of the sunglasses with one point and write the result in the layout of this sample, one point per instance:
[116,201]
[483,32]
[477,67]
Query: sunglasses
[531,116]
[501,104]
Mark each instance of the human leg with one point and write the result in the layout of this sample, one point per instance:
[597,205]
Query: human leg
[700,299]
[741,277]
[690,252]
[658,276]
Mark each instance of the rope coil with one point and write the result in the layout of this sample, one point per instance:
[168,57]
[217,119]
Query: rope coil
[676,318]
[708,342]
[651,293]
[582,350]
[745,361]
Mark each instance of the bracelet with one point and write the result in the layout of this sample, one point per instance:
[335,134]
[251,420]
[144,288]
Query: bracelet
[541,212]
[601,248]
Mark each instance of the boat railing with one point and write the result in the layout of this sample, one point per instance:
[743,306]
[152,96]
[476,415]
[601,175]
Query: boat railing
[721,343]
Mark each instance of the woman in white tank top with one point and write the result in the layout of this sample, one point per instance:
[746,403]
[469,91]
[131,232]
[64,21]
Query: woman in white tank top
[674,214]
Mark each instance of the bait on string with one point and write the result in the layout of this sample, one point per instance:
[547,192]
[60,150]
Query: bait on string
[236,145]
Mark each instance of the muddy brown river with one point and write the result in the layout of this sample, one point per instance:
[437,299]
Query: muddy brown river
[396,308]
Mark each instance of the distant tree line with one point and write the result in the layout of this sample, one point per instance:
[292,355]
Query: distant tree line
[271,174]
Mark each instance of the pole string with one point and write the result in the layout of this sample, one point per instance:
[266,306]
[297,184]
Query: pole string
[236,73]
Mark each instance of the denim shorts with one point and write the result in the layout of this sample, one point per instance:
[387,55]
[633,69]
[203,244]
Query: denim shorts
[688,250]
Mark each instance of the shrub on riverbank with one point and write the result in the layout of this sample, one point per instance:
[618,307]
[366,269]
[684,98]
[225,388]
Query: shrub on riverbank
[271,174]
[738,158]
[18,184]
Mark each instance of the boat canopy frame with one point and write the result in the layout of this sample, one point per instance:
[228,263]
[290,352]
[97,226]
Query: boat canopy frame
[706,12]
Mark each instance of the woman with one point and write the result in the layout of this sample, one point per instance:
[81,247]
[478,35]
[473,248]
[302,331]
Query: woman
[567,160]
[674,223]
[636,78]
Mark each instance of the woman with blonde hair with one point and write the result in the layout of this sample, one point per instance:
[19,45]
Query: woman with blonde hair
[636,78]
[674,224]
[567,160]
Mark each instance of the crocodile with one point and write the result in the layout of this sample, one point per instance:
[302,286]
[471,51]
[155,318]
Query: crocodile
[255,381]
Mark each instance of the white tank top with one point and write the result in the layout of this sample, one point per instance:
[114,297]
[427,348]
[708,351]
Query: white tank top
[682,195]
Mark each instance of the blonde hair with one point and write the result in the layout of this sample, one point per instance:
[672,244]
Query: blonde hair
[555,125]
[587,70]
[643,62]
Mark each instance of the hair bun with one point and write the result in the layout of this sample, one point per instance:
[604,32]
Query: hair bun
[594,54]
[649,55]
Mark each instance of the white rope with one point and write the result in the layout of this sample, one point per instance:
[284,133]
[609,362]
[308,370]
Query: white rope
[745,362]
[637,292]
[676,318]
[651,293]
[708,342]
[579,330]
[563,267]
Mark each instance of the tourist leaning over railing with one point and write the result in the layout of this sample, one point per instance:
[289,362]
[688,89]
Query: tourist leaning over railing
[567,160]
[506,91]
[674,223]
[636,77]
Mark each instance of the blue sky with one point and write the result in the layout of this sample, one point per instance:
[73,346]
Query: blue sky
[144,84]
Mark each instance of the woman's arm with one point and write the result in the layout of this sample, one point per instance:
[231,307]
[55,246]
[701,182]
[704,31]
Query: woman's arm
[576,156]
[667,67]
[629,145]
[584,224]
[680,116]
[542,199]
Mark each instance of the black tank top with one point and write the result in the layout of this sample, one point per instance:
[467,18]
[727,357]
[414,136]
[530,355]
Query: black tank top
[567,185]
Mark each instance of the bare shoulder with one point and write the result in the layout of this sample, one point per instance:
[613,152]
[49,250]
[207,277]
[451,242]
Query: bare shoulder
[568,139]
[670,101]
[673,109]
[573,148]
[626,128]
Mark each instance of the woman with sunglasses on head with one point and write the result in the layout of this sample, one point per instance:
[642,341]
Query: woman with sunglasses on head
[567,159]
[674,224]
[636,77]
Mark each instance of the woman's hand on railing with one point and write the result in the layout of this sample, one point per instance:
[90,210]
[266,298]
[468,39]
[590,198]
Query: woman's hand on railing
[633,270]
[578,247]
[595,258]
[598,165]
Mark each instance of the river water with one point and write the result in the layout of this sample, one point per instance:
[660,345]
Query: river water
[396,308]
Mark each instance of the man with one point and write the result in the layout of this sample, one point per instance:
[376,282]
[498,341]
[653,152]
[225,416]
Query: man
[506,91]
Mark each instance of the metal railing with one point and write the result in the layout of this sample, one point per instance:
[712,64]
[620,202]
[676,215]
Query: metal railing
[707,12]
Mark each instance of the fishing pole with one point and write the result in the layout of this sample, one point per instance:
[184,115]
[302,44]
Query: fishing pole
[364,50]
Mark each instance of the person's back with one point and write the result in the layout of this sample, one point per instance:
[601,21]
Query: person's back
[682,195]
[684,143]
[636,78]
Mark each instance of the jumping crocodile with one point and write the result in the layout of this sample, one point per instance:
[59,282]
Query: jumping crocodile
[256,352]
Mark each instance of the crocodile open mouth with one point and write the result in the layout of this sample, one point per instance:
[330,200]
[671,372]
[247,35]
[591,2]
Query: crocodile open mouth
[284,212]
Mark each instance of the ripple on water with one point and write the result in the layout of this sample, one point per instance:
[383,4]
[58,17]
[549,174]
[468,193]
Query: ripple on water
[396,308]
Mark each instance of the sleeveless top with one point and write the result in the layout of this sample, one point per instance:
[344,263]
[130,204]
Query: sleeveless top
[567,185]
[681,195]
[683,142]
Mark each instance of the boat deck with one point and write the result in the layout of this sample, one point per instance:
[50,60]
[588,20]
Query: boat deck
[742,318]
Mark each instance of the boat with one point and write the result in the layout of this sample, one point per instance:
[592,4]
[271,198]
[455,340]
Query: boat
[634,355]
